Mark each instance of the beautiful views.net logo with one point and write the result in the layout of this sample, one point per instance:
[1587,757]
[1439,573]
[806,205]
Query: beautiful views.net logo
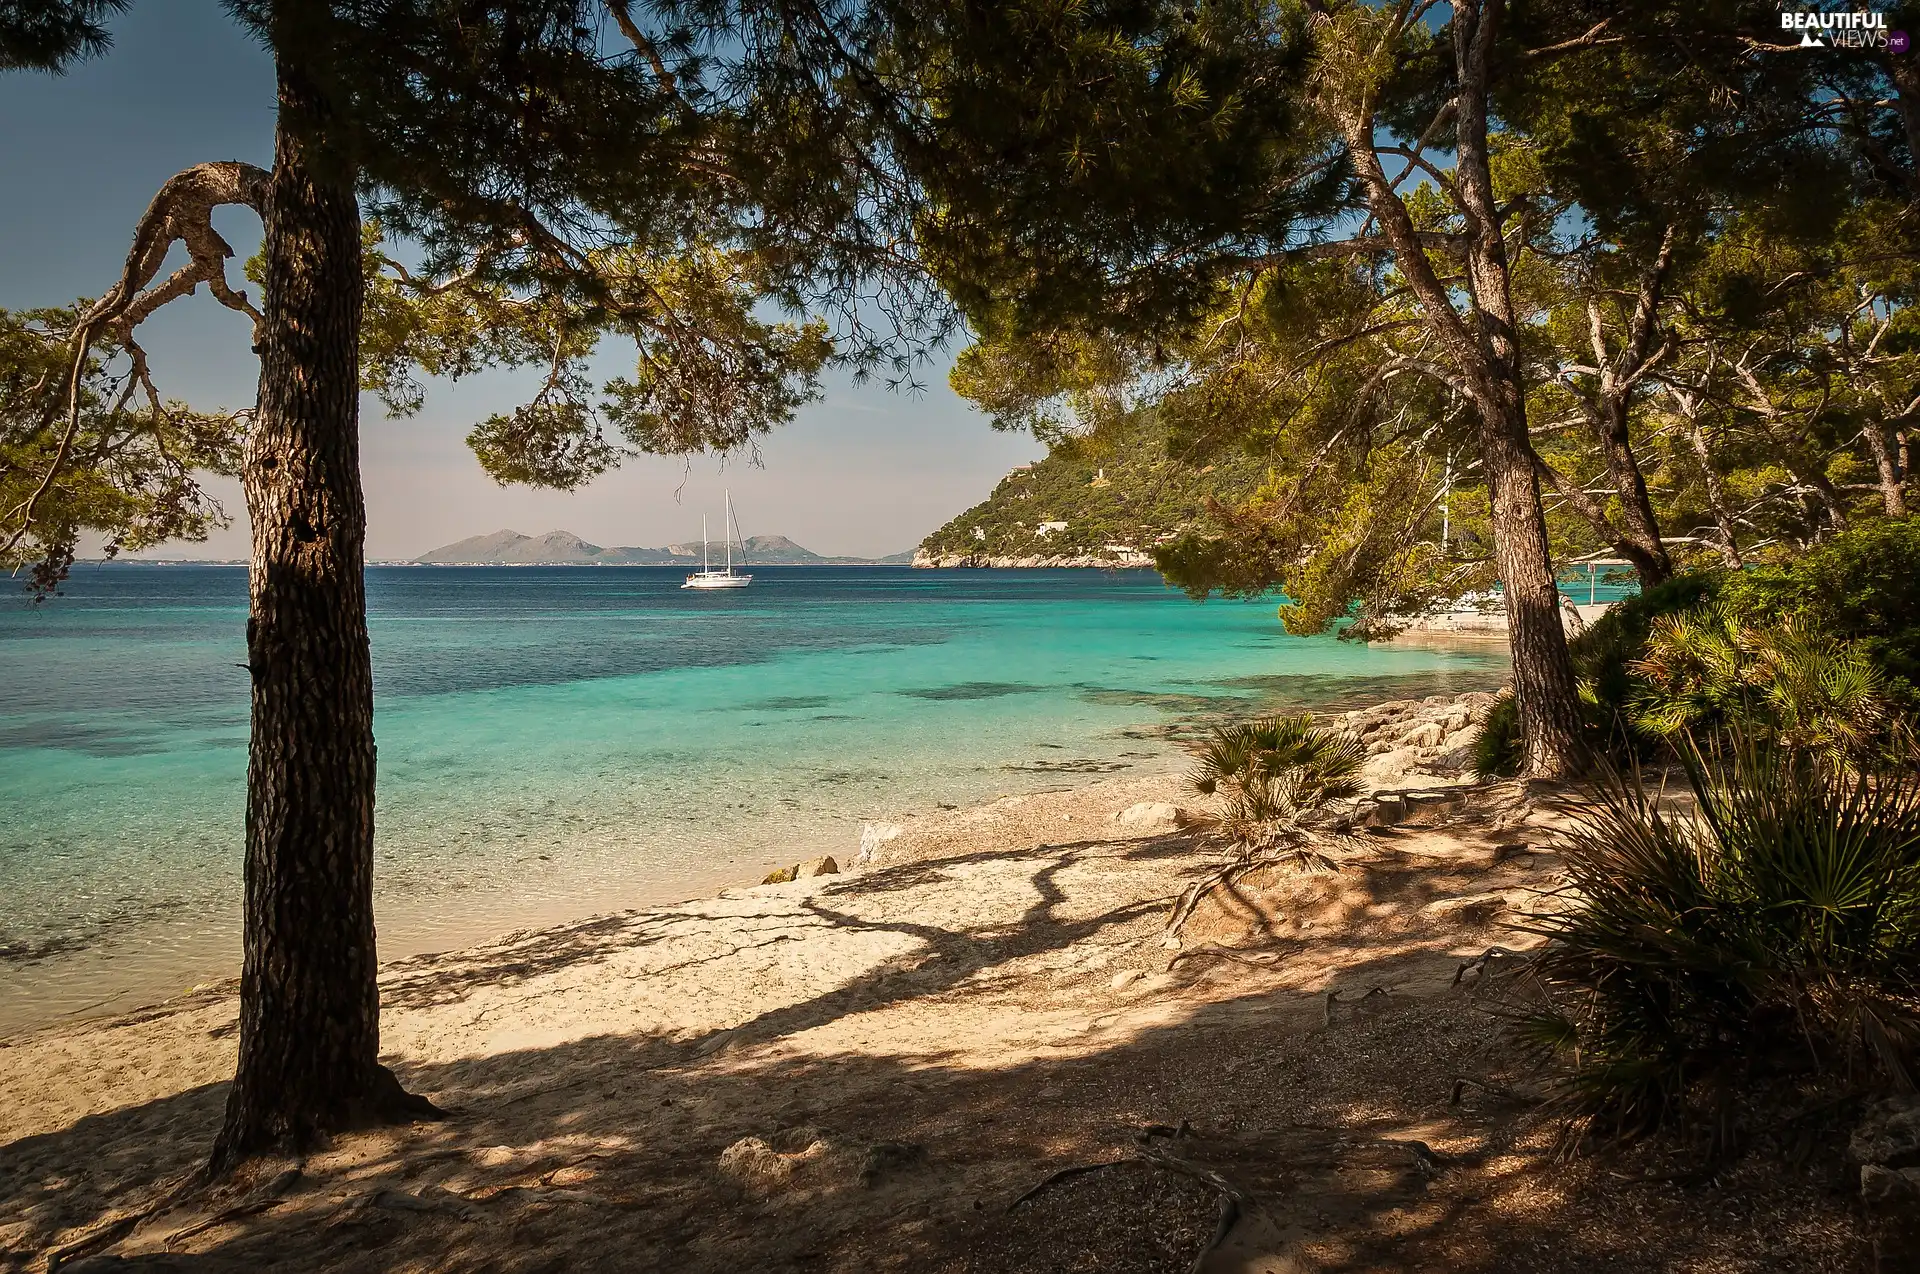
[1865,31]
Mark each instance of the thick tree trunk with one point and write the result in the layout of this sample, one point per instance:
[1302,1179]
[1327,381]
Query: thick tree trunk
[309,1004]
[1485,355]
[1543,681]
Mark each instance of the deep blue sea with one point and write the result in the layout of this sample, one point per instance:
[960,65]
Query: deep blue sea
[559,741]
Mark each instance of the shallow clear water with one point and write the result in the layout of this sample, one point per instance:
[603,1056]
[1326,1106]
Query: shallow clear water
[555,741]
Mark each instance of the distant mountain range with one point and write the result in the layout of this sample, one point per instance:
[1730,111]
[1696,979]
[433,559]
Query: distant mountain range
[564,548]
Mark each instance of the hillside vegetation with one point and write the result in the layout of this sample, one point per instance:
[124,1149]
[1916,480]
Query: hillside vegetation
[1117,495]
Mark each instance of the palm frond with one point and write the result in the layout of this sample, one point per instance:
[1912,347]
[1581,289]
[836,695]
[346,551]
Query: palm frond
[1782,916]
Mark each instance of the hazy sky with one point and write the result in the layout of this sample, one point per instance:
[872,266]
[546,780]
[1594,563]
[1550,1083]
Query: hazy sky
[865,471]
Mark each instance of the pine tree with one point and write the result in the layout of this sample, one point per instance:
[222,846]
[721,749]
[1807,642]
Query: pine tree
[549,165]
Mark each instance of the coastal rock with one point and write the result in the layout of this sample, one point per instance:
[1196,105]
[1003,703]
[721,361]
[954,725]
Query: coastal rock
[752,1163]
[1880,1186]
[1091,561]
[1886,1145]
[872,837]
[1152,814]
[1392,764]
[1890,1134]
[715,1044]
[1474,909]
[823,866]
[1425,735]
[807,1158]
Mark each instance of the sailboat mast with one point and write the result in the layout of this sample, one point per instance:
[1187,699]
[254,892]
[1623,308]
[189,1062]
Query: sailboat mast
[703,544]
[728,532]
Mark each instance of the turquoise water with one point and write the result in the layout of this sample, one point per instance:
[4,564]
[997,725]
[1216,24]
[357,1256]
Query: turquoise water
[556,741]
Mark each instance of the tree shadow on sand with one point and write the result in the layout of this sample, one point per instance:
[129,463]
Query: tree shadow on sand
[623,1151]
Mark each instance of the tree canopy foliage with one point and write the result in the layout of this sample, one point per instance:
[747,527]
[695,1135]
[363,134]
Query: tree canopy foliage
[1708,246]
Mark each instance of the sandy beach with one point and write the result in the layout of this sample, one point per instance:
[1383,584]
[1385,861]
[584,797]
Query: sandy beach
[869,1070]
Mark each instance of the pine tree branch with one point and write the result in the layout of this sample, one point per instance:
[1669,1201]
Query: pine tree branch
[182,212]
[1594,37]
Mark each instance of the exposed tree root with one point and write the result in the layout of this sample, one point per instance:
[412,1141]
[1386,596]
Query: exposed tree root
[1333,997]
[1233,1200]
[1264,960]
[546,1178]
[1065,1174]
[1229,1217]
[110,1230]
[238,1212]
[1302,854]
[171,1194]
[1479,963]
[383,1103]
[1463,1082]
[386,1103]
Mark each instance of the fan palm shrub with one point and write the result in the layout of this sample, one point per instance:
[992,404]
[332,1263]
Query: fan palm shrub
[1863,584]
[1497,751]
[1707,670]
[1275,773]
[1776,925]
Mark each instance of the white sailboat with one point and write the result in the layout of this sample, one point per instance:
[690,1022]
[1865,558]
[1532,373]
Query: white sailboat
[707,577]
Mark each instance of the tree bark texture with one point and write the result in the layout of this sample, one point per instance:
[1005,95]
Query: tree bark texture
[1485,356]
[1639,540]
[309,1015]
[1612,407]
[1543,680]
[1886,465]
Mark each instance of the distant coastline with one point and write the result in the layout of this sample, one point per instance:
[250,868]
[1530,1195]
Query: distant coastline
[1059,561]
[899,561]
[564,548]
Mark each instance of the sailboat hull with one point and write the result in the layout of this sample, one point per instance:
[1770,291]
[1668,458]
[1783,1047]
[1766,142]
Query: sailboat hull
[716,579]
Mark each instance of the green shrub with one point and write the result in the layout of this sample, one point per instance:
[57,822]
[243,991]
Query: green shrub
[1275,771]
[1497,751]
[1604,653]
[1602,656]
[1864,584]
[1799,688]
[1776,927]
